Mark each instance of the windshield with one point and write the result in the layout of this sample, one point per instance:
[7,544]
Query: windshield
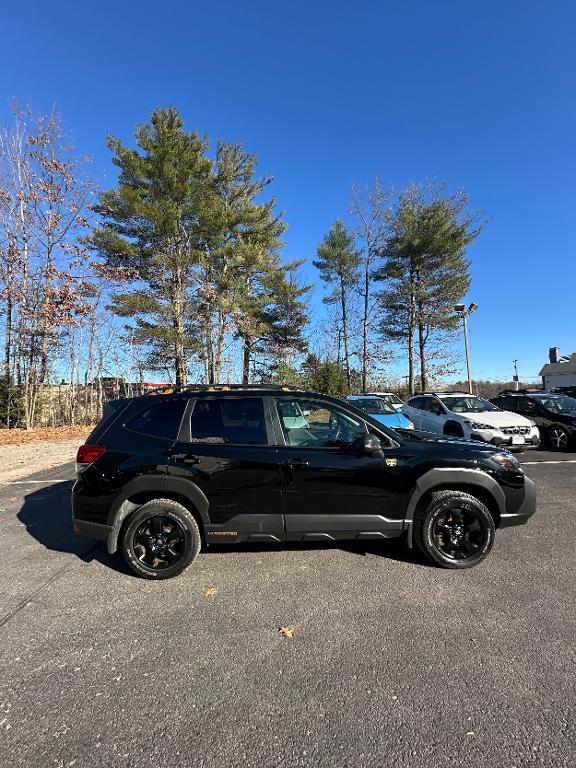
[468,404]
[373,405]
[557,403]
[390,399]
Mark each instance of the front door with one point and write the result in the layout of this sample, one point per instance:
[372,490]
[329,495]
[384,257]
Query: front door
[333,489]
[225,450]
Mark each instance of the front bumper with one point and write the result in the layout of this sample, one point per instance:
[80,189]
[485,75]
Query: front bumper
[502,440]
[525,510]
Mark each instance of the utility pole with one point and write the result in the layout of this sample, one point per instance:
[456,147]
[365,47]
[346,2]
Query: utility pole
[465,314]
[515,374]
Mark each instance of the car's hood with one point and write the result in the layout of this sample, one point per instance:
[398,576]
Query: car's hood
[455,442]
[392,419]
[497,418]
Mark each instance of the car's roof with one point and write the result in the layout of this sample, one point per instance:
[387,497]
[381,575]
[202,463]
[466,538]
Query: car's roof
[442,394]
[231,390]
[361,397]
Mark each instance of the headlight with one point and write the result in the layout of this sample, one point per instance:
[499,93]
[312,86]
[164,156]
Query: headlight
[410,425]
[480,425]
[506,461]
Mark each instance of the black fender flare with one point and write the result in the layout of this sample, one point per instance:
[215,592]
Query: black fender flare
[163,486]
[455,424]
[440,477]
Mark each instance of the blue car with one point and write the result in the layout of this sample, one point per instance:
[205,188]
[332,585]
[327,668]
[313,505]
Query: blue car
[381,411]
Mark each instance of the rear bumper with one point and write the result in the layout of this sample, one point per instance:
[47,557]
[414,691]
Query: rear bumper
[92,530]
[525,510]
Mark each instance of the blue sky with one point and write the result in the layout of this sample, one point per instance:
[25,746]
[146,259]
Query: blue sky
[331,93]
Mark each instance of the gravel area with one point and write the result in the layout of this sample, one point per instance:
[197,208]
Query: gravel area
[17,461]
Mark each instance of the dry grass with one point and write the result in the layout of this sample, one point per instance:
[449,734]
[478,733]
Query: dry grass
[43,434]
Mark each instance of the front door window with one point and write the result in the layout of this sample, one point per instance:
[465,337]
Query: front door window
[316,424]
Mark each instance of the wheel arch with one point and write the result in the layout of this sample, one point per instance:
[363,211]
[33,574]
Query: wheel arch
[456,424]
[472,481]
[142,489]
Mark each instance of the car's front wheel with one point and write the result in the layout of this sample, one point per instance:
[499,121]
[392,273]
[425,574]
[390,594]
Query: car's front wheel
[455,530]
[160,539]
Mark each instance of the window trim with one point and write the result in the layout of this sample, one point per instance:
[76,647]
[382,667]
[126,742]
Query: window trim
[185,433]
[369,428]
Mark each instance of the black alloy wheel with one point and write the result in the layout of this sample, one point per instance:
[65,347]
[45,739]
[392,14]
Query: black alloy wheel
[558,437]
[459,533]
[160,539]
[455,531]
[159,542]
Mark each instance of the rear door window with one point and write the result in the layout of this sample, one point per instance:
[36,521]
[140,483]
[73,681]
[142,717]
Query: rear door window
[237,420]
[162,419]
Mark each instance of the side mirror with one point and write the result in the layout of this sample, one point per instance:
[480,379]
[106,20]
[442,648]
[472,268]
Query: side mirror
[372,446]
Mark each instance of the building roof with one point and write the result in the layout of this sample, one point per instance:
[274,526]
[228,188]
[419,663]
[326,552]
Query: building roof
[567,366]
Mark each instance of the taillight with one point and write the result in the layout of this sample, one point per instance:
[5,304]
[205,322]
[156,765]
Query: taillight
[89,453]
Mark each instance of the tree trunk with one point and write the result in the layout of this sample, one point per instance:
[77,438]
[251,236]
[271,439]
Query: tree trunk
[178,325]
[246,360]
[345,331]
[8,346]
[220,334]
[365,327]
[422,351]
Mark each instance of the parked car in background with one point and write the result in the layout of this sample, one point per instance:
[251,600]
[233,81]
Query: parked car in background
[379,409]
[554,414]
[457,414]
[389,398]
[570,391]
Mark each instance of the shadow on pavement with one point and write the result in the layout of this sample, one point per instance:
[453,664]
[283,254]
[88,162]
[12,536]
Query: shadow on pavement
[47,517]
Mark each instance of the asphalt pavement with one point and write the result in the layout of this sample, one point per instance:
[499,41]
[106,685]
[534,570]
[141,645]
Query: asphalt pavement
[392,662]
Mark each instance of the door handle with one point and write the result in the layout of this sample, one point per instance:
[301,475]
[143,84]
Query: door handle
[187,458]
[296,462]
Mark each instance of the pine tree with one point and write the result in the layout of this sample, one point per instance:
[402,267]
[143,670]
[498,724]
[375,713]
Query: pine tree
[154,224]
[338,262]
[426,271]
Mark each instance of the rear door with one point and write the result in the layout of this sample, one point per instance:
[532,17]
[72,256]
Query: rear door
[225,449]
[413,411]
[433,415]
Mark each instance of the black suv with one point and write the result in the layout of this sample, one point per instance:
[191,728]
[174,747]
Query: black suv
[163,475]
[553,413]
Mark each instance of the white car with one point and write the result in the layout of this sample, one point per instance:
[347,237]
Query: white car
[457,414]
[389,398]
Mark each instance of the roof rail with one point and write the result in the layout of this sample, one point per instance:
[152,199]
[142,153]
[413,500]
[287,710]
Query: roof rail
[520,391]
[227,388]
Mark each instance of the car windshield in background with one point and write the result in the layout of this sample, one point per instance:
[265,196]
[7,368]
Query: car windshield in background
[373,405]
[471,404]
[557,403]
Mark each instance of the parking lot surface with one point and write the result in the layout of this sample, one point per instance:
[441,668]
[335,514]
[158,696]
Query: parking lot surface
[391,662]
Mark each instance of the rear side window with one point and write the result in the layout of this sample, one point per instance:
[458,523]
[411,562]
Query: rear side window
[161,419]
[229,420]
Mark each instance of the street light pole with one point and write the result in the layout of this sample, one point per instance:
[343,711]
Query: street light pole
[465,313]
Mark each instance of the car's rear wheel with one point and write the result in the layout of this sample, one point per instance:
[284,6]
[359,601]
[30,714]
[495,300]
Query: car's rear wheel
[455,530]
[558,437]
[160,540]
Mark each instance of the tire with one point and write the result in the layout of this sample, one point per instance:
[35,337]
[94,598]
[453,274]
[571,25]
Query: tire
[558,437]
[455,530]
[453,430]
[160,540]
